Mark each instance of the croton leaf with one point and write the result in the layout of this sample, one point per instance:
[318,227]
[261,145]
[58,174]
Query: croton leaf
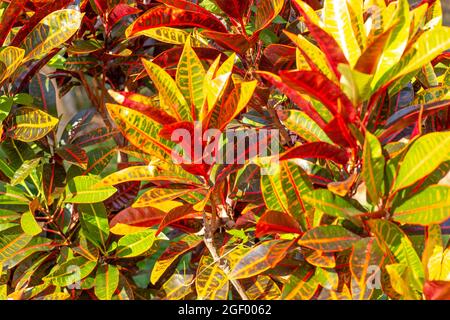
[106,281]
[276,222]
[423,157]
[140,131]
[320,150]
[328,238]
[366,260]
[175,250]
[169,92]
[134,244]
[189,78]
[94,223]
[138,217]
[321,88]
[32,124]
[260,258]
[211,281]
[84,189]
[11,57]
[373,167]
[51,32]
[429,206]
[162,16]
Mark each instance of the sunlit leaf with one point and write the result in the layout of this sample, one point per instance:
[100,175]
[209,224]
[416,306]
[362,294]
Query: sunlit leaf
[32,124]
[106,281]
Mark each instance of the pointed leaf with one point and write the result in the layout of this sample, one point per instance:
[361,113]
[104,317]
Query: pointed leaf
[106,281]
[422,158]
[328,238]
[52,31]
[431,205]
[32,124]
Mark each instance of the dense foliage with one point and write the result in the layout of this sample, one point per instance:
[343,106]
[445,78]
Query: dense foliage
[354,203]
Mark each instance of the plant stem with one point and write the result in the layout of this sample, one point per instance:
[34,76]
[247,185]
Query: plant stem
[223,263]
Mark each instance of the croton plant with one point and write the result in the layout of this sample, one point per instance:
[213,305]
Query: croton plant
[98,202]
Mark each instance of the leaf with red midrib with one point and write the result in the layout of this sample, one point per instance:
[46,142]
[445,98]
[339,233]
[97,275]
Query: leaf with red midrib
[328,238]
[139,217]
[162,16]
[260,258]
[177,214]
[326,42]
[276,222]
[320,150]
[317,85]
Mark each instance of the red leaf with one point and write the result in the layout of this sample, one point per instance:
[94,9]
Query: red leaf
[437,290]
[235,42]
[102,5]
[139,217]
[320,150]
[323,89]
[276,222]
[177,214]
[329,46]
[119,11]
[185,5]
[125,195]
[279,56]
[163,16]
[137,102]
[236,9]
[171,57]
[9,17]
[303,104]
[338,131]
[73,154]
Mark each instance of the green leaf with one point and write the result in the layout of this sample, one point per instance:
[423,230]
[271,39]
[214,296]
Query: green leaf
[134,244]
[399,248]
[71,271]
[328,238]
[429,45]
[106,281]
[29,224]
[84,189]
[422,158]
[52,31]
[329,203]
[32,124]
[300,123]
[366,254]
[431,205]
[373,168]
[11,241]
[302,284]
[285,189]
[5,107]
[95,223]
[27,167]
